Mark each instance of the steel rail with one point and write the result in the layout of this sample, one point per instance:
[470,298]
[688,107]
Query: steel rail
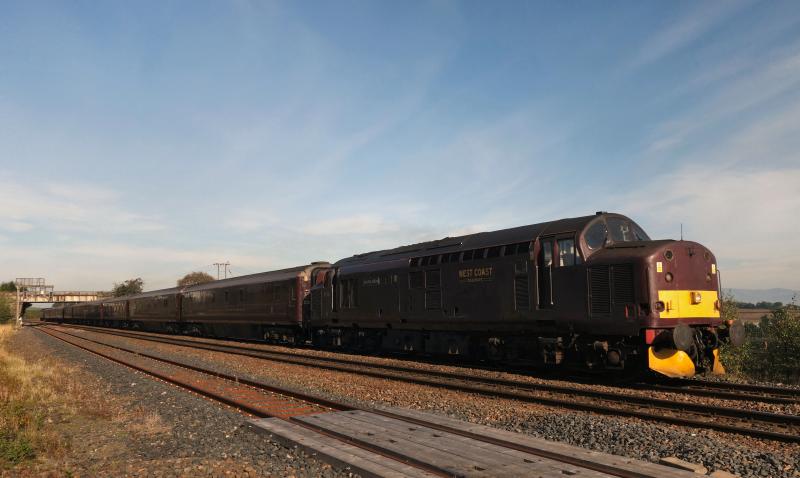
[793,393]
[706,416]
[692,387]
[237,404]
[621,472]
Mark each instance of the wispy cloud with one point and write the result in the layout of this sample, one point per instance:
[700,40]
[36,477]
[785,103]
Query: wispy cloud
[702,18]
[81,207]
[747,106]
[356,224]
[16,226]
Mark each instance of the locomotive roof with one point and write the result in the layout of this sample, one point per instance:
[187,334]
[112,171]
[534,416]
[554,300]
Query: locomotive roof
[473,241]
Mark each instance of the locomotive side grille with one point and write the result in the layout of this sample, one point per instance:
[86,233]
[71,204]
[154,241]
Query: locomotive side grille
[416,280]
[522,296]
[623,283]
[433,299]
[432,279]
[599,290]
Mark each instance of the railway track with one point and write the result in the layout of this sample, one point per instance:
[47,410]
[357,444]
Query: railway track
[689,387]
[765,425]
[261,400]
[763,393]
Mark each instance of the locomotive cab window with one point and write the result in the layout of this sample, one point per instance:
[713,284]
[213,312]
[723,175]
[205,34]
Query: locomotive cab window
[546,254]
[596,235]
[622,230]
[567,256]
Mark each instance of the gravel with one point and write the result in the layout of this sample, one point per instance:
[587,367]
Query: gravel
[478,372]
[630,437]
[201,438]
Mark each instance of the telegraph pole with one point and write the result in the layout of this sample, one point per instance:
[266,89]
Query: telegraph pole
[224,266]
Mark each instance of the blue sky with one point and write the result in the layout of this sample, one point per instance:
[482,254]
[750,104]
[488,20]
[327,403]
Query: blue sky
[150,139]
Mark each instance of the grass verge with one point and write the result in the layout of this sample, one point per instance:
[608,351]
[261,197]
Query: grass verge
[30,393]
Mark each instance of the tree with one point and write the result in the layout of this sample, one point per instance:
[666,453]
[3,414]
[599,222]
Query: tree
[7,308]
[8,286]
[129,287]
[194,278]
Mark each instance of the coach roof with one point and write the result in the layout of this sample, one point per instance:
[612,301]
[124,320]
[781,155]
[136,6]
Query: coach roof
[258,278]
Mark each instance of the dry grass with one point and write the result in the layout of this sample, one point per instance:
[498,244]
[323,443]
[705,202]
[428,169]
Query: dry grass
[141,421]
[29,392]
[42,401]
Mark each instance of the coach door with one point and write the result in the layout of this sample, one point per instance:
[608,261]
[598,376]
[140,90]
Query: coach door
[544,270]
[568,277]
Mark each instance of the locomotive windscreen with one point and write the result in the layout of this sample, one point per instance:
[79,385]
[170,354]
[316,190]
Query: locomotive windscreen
[610,230]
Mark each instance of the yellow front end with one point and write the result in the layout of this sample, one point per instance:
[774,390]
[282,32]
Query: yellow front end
[680,304]
[677,363]
[684,304]
[670,362]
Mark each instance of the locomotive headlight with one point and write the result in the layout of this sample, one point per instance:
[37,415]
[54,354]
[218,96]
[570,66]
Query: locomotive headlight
[697,297]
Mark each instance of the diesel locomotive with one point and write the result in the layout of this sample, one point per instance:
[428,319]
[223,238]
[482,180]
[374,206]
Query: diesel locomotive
[592,292]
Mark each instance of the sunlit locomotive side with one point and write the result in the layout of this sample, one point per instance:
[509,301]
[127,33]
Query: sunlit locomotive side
[591,292]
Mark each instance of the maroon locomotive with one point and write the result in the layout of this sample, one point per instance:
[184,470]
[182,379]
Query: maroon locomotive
[593,292]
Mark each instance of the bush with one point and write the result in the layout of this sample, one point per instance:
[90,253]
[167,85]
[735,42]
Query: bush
[7,308]
[15,449]
[772,349]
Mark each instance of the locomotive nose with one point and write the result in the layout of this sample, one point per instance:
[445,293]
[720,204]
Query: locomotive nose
[685,281]
[685,289]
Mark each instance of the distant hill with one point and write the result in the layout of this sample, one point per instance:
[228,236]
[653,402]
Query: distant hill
[755,296]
